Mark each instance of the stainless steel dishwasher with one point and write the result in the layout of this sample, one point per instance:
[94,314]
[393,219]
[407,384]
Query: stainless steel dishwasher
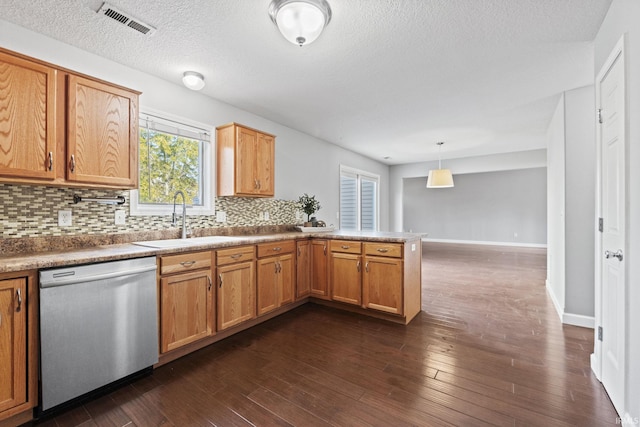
[98,324]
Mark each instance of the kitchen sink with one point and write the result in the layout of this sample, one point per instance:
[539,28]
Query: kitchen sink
[181,243]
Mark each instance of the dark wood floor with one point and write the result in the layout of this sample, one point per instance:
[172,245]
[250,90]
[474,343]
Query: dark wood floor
[488,349]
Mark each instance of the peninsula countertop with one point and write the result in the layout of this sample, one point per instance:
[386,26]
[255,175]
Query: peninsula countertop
[101,253]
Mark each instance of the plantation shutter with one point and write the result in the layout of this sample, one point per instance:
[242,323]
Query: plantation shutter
[348,202]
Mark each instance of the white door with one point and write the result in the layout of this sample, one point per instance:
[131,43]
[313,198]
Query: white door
[611,90]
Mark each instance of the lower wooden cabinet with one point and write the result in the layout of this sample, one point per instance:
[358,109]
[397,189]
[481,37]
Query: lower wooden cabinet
[187,310]
[303,268]
[346,272]
[236,286]
[382,284]
[276,276]
[320,269]
[18,347]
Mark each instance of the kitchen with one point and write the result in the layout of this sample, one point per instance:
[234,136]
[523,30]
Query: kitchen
[292,146]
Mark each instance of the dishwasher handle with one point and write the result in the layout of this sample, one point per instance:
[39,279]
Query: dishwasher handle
[72,279]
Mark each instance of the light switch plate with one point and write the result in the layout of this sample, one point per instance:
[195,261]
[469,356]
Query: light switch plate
[64,219]
[120,217]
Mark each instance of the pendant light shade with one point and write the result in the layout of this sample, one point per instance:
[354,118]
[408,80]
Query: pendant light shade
[440,178]
[300,21]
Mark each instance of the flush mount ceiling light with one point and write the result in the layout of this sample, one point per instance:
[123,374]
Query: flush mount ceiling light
[193,80]
[439,178]
[300,21]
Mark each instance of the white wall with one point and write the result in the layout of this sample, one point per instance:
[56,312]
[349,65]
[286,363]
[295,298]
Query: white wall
[571,153]
[303,163]
[500,207]
[580,194]
[555,208]
[490,163]
[624,18]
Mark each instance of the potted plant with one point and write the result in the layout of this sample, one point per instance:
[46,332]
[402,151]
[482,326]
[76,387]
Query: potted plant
[309,205]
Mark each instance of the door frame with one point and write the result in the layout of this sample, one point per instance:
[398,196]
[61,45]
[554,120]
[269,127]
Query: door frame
[617,53]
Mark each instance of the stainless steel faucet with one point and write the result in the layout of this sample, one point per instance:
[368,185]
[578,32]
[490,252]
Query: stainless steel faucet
[184,213]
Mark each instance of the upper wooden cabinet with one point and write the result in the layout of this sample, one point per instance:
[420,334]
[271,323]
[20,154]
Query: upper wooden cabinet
[102,133]
[245,160]
[27,119]
[60,128]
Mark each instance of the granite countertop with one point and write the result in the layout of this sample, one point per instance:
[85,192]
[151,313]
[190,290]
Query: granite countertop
[109,252]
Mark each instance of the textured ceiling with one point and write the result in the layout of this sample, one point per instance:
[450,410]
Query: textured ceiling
[387,78]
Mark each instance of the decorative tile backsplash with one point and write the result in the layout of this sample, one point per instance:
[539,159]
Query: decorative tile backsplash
[32,211]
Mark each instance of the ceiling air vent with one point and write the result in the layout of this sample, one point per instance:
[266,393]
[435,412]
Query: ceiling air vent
[125,19]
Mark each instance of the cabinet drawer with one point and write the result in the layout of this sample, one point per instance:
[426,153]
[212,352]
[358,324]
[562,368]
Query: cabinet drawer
[346,246]
[276,248]
[233,255]
[383,249]
[185,262]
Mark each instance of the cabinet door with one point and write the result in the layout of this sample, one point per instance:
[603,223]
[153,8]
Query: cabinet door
[303,268]
[287,275]
[186,309]
[13,343]
[382,284]
[102,134]
[267,287]
[264,169]
[246,143]
[27,119]
[319,269]
[236,294]
[346,278]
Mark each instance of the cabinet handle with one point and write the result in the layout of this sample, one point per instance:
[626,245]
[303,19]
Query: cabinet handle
[279,267]
[298,251]
[220,277]
[324,249]
[358,266]
[236,256]
[210,283]
[383,250]
[72,164]
[50,160]
[255,184]
[366,267]
[345,246]
[19,295]
[187,263]
[275,268]
[259,184]
[277,249]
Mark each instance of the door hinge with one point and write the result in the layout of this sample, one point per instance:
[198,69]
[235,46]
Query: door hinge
[600,225]
[599,333]
[600,115]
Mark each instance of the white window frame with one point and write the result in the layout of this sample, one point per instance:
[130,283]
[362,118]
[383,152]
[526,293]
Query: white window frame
[359,174]
[208,173]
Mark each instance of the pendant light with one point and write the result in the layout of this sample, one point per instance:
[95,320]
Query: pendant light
[300,21]
[440,178]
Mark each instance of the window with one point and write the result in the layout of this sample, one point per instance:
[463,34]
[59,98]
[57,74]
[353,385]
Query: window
[358,200]
[173,156]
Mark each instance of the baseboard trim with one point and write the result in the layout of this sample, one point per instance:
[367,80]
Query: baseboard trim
[556,303]
[579,320]
[486,243]
[595,365]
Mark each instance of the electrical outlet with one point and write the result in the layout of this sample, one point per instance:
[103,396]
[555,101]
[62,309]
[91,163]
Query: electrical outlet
[221,216]
[120,217]
[64,219]
[265,215]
